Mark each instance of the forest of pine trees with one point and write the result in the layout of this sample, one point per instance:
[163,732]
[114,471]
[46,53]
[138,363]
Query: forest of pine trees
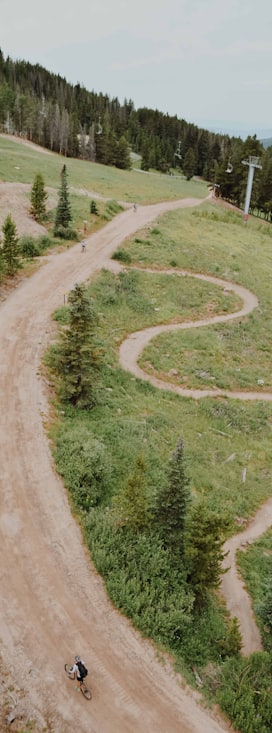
[74,122]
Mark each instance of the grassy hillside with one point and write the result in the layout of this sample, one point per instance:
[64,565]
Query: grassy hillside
[20,163]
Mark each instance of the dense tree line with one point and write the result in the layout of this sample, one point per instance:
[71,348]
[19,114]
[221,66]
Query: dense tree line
[75,122]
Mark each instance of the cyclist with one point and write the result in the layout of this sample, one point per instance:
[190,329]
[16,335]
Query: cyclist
[77,669]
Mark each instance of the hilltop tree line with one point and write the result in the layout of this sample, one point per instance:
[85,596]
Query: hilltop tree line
[70,120]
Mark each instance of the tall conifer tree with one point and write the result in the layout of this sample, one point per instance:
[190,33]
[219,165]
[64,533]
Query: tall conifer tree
[79,357]
[38,198]
[10,249]
[172,501]
[63,212]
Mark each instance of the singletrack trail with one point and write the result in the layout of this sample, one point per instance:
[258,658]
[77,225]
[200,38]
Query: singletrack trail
[237,599]
[53,603]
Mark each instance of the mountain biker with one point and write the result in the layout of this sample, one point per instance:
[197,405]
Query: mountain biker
[75,669]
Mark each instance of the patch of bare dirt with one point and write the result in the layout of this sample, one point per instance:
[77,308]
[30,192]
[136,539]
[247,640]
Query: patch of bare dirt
[15,200]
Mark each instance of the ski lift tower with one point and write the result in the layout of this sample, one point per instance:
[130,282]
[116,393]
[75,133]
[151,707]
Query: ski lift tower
[252,162]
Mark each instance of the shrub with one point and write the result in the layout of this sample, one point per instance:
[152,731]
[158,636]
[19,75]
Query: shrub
[30,247]
[93,208]
[63,233]
[245,693]
[82,461]
[122,255]
[45,242]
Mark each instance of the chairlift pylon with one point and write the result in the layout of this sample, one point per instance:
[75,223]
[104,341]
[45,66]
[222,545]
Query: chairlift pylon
[99,127]
[178,153]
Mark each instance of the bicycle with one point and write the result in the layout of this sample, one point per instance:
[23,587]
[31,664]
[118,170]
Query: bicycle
[83,687]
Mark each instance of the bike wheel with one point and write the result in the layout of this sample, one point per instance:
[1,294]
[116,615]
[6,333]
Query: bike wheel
[85,691]
[67,668]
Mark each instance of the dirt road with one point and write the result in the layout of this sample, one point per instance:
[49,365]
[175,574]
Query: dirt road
[53,604]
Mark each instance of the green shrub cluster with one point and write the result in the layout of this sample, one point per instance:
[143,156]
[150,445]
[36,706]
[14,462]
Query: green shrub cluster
[245,692]
[61,232]
[34,246]
[93,207]
[82,461]
[111,209]
[122,255]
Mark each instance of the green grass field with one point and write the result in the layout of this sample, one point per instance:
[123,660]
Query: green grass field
[234,356]
[20,163]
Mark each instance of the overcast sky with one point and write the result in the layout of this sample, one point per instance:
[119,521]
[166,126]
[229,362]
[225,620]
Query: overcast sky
[207,61]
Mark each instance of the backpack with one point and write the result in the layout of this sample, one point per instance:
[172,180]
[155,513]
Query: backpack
[82,669]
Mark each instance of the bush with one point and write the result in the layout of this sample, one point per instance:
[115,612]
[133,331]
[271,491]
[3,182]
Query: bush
[82,461]
[111,208]
[93,208]
[122,255]
[245,694]
[63,233]
[45,242]
[30,247]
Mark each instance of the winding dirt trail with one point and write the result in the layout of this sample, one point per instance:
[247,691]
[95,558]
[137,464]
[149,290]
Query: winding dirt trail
[237,599]
[53,603]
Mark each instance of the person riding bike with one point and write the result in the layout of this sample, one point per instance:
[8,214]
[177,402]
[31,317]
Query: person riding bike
[80,671]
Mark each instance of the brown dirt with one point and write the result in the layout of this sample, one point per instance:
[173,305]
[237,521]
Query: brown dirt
[15,200]
[53,602]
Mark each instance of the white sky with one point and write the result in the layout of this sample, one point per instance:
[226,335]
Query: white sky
[207,61]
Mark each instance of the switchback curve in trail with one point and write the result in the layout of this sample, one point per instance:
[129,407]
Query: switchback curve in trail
[236,597]
[132,347]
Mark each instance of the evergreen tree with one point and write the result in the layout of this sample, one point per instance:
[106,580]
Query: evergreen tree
[132,504]
[10,249]
[123,154]
[78,357]
[172,503]
[38,198]
[145,161]
[203,554]
[63,212]
[189,164]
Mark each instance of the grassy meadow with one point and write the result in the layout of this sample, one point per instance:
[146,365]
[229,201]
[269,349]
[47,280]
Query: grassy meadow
[19,163]
[233,356]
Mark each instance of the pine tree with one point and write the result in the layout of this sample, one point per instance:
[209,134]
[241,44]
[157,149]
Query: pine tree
[63,212]
[10,249]
[204,555]
[172,503]
[79,357]
[189,164]
[131,504]
[145,161]
[38,198]
[123,154]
